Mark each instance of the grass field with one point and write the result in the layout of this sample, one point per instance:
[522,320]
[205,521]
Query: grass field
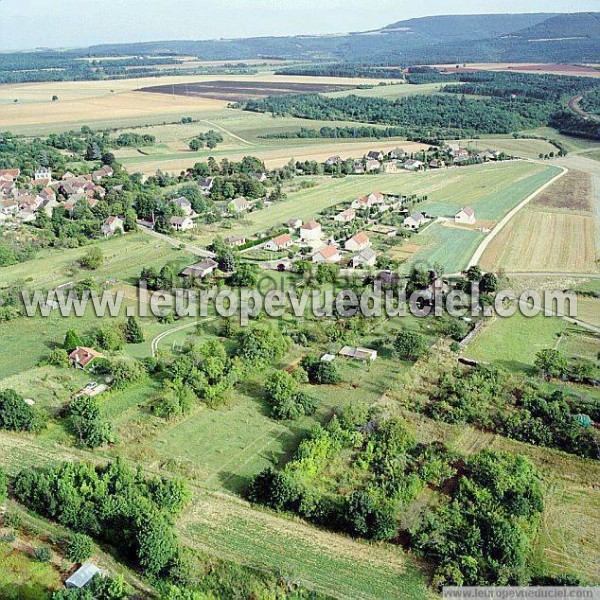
[512,342]
[22,577]
[524,148]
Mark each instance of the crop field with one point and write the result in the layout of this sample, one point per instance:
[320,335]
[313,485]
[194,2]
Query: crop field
[28,108]
[236,91]
[523,148]
[555,233]
[543,240]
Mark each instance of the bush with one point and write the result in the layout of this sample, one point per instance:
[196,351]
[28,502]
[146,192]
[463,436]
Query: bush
[79,547]
[3,487]
[17,415]
[90,428]
[319,372]
[410,345]
[43,554]
[92,259]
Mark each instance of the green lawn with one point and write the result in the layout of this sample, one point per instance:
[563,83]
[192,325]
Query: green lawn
[512,342]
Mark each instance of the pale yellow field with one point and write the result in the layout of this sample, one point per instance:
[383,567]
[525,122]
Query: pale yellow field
[114,100]
[539,240]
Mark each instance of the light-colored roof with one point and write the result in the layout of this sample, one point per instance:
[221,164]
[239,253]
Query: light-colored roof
[367,254]
[198,269]
[83,576]
[468,211]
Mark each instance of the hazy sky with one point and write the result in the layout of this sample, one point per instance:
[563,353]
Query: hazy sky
[28,24]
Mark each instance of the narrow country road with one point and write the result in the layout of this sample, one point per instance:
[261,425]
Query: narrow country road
[229,133]
[573,104]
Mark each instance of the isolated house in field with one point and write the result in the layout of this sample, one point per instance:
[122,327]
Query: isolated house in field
[82,357]
[201,269]
[329,254]
[415,221]
[281,242]
[413,165]
[311,231]
[346,216]
[235,240]
[181,223]
[111,226]
[184,204]
[365,258]
[239,205]
[83,576]
[357,242]
[465,216]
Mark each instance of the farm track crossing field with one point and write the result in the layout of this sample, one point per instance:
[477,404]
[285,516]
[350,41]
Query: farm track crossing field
[236,91]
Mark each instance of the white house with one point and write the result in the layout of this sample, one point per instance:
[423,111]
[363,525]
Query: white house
[415,221]
[413,165]
[201,269]
[184,204]
[311,231]
[329,254]
[239,205]
[44,173]
[281,242]
[293,223]
[111,226]
[357,242]
[375,155]
[365,258]
[465,215]
[346,216]
[181,223]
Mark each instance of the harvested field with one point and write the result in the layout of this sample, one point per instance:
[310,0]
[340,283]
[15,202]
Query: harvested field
[543,240]
[236,91]
[571,192]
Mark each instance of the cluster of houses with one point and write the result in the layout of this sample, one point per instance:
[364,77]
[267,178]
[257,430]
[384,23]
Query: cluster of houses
[21,203]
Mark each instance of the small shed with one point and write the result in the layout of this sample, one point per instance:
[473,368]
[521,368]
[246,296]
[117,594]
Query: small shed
[83,576]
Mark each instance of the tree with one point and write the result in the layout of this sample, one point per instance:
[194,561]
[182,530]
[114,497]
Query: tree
[370,518]
[285,399]
[109,337]
[551,363]
[133,331]
[410,345]
[226,260]
[125,371]
[72,340]
[157,543]
[58,358]
[92,259]
[474,273]
[16,414]
[244,276]
[88,425]
[488,283]
[319,372]
[54,98]
[79,547]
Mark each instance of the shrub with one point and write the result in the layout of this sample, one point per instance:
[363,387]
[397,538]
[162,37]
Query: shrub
[43,554]
[79,547]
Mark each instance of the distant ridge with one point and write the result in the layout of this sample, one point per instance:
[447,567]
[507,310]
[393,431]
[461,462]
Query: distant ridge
[539,37]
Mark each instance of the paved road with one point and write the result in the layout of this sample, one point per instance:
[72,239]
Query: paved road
[553,274]
[176,242]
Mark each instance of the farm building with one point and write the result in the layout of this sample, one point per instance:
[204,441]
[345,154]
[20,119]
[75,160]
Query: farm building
[311,231]
[329,254]
[83,576]
[181,223]
[357,242]
[465,215]
[201,269]
[362,354]
[81,357]
[281,242]
[346,216]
